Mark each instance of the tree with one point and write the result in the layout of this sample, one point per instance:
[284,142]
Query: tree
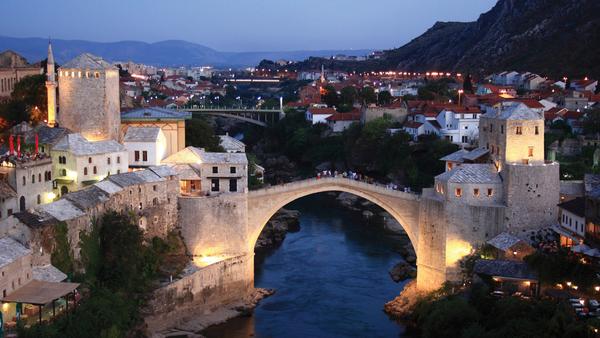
[348,95]
[198,133]
[28,101]
[591,123]
[468,84]
[330,96]
[385,98]
[368,95]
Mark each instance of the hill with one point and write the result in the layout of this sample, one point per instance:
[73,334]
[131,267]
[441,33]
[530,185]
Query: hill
[549,37]
[553,37]
[163,53]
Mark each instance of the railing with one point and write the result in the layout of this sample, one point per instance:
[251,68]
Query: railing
[336,180]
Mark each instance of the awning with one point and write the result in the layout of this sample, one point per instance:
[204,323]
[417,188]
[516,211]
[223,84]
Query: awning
[564,232]
[64,180]
[40,293]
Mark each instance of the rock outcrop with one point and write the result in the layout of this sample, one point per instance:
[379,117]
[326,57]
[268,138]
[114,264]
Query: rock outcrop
[279,225]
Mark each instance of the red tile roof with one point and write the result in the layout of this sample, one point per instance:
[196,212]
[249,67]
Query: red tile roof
[412,124]
[351,116]
[322,111]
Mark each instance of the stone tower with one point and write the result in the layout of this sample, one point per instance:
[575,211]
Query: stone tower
[89,98]
[514,136]
[51,87]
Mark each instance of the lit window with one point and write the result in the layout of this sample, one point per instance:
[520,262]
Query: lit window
[458,192]
[530,152]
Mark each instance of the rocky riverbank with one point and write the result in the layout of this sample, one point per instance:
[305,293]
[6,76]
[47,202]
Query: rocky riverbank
[401,307]
[279,225]
[193,326]
[377,217]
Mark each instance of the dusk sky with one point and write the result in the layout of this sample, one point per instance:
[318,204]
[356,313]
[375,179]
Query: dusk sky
[239,25]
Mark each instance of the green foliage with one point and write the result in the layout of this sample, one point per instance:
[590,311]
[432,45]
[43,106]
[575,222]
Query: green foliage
[330,96]
[199,133]
[28,101]
[558,267]
[468,84]
[368,95]
[62,257]
[474,313]
[591,123]
[369,149]
[348,95]
[120,267]
[438,89]
[384,98]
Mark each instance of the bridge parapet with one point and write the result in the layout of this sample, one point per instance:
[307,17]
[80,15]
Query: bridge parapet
[342,181]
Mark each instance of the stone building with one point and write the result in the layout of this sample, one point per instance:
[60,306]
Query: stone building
[89,98]
[15,265]
[151,194]
[203,173]
[171,122]
[513,134]
[77,162]
[398,112]
[14,67]
[503,186]
[146,146]
[509,247]
[26,182]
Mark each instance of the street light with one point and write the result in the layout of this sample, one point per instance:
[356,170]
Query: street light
[460,91]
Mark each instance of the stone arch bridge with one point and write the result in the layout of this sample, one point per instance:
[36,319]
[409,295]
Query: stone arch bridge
[228,225]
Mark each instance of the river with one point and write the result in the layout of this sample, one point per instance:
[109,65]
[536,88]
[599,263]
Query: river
[331,279]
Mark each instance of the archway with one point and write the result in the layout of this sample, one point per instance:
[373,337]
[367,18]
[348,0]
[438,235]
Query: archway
[64,190]
[335,253]
[262,205]
[22,206]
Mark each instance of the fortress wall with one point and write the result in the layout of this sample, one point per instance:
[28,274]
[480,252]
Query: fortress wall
[201,292]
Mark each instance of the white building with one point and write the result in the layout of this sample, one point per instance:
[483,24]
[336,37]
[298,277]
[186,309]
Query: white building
[459,125]
[202,173]
[25,183]
[572,219]
[77,162]
[146,146]
[319,115]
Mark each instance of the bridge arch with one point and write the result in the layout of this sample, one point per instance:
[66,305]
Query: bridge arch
[263,204]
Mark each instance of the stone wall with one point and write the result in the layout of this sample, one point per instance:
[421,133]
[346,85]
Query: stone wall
[214,225]
[448,231]
[203,291]
[531,194]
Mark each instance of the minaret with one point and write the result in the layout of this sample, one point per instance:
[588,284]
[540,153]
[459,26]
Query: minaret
[51,88]
[322,73]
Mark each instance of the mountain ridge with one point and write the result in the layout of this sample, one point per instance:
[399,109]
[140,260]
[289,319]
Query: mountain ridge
[161,53]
